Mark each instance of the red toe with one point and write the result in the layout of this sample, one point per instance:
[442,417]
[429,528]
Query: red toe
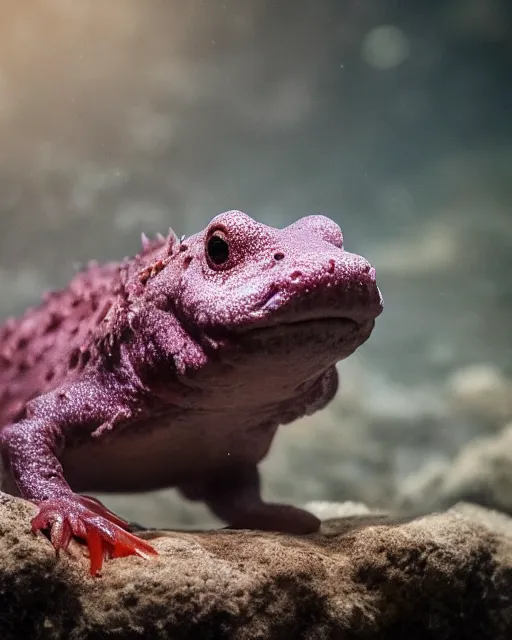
[98,507]
[87,519]
[95,546]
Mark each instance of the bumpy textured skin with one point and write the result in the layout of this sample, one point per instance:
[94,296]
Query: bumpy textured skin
[172,370]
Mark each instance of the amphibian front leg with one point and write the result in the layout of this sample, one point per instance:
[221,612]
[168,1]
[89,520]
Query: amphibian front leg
[30,452]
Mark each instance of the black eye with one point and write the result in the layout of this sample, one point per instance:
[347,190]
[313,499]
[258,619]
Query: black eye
[218,249]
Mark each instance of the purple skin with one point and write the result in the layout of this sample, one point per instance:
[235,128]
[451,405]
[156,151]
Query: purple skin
[174,369]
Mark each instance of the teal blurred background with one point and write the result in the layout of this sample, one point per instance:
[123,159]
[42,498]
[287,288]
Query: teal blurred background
[393,118]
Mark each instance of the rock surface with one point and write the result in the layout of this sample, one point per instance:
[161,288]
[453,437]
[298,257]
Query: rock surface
[446,575]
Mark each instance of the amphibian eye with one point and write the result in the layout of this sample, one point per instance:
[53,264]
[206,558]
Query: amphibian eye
[217,249]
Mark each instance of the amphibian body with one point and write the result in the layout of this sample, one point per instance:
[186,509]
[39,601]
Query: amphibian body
[174,369]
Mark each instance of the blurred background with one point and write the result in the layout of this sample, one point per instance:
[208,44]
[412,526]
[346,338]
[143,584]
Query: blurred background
[393,118]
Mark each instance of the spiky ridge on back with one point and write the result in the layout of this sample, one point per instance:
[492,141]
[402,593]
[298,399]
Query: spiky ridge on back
[52,342]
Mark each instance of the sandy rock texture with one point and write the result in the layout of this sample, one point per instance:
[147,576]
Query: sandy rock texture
[446,576]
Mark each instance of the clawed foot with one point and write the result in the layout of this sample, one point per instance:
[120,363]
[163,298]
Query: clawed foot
[86,518]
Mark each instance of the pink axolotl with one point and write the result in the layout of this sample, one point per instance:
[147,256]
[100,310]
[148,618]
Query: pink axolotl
[174,369]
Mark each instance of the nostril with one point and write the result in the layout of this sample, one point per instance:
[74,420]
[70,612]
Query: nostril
[278,256]
[332,266]
[296,275]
